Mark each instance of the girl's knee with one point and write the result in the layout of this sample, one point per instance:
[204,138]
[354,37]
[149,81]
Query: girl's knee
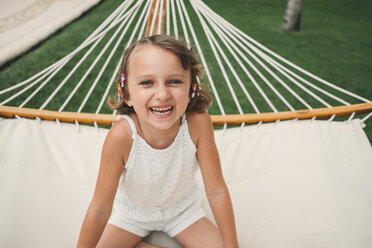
[200,234]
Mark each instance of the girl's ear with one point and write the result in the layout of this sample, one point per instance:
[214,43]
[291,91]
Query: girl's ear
[127,95]
[128,101]
[190,92]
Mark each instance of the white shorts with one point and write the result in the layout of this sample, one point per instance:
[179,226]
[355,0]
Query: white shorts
[172,227]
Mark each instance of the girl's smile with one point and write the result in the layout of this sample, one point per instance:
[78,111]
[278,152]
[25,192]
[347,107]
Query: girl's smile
[158,87]
[162,112]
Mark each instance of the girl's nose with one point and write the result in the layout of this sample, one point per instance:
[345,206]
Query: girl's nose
[162,92]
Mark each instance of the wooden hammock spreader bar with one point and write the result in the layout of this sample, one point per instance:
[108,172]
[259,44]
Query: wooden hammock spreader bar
[218,120]
[151,16]
[319,113]
[70,117]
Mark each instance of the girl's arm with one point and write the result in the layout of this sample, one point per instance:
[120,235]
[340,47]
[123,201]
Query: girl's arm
[214,183]
[111,167]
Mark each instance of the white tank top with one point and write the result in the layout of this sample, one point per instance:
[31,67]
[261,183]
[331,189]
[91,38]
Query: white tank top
[158,184]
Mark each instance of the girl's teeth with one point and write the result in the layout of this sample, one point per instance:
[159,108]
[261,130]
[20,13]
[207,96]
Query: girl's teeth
[161,111]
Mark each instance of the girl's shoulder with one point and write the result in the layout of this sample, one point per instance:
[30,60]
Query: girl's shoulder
[121,131]
[198,124]
[198,118]
[120,136]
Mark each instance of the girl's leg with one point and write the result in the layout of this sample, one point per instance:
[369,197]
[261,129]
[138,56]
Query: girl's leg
[200,234]
[115,237]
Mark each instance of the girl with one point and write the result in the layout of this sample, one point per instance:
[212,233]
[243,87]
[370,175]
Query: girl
[150,156]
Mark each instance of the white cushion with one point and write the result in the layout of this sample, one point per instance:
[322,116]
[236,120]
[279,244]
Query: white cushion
[293,184]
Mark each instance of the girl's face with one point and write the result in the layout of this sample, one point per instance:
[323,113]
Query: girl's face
[158,87]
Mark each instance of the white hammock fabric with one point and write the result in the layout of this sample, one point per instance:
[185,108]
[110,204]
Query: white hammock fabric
[292,183]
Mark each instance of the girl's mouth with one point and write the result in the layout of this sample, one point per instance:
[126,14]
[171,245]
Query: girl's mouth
[162,111]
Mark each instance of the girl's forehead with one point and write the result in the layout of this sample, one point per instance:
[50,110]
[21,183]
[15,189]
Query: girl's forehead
[144,52]
[153,58]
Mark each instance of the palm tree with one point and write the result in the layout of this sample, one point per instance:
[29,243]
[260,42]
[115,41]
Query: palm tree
[292,17]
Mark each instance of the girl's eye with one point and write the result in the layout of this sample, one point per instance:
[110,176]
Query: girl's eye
[175,82]
[145,83]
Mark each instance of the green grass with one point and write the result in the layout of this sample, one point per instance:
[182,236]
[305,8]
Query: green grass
[334,43]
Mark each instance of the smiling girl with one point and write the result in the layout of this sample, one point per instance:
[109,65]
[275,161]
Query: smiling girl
[146,180]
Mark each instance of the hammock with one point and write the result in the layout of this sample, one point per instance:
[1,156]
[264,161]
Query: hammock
[293,183]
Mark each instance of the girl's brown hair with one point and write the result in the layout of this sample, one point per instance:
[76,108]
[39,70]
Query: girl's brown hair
[197,104]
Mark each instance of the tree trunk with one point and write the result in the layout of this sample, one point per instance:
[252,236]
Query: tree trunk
[292,17]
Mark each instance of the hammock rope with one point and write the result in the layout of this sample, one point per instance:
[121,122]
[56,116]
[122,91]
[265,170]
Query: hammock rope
[240,60]
[279,67]
[203,60]
[246,39]
[218,28]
